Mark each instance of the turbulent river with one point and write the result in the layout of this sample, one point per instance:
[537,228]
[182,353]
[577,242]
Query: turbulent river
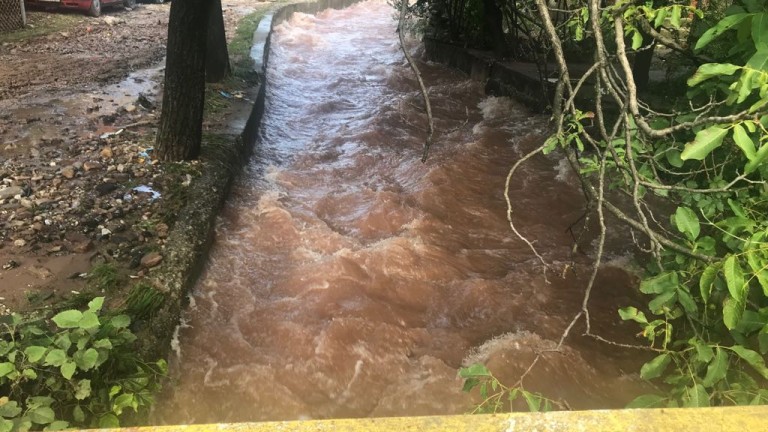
[349,279]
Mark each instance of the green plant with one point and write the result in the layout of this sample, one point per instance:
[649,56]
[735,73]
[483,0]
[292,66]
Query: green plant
[76,370]
[496,397]
[104,277]
[143,301]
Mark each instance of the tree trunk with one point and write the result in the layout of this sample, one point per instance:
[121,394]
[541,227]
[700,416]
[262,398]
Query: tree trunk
[494,22]
[181,118]
[641,67]
[216,54]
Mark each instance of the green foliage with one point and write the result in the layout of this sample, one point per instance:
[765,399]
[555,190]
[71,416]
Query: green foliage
[496,397]
[143,301]
[706,314]
[78,371]
[104,277]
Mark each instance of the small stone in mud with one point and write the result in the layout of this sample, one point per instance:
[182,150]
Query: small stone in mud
[82,247]
[162,230]
[105,188]
[10,192]
[68,172]
[39,272]
[106,152]
[151,259]
[91,165]
[11,264]
[20,243]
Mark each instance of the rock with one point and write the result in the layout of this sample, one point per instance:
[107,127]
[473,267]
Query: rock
[106,152]
[83,246]
[105,188]
[10,192]
[39,272]
[11,264]
[91,165]
[151,259]
[68,172]
[162,230]
[20,243]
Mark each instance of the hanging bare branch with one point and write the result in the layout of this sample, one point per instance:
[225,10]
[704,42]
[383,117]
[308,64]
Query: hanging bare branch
[424,93]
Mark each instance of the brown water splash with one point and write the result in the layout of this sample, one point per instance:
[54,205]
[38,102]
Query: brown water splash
[350,279]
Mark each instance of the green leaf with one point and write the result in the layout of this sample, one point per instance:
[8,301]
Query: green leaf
[103,343]
[68,319]
[78,414]
[89,321]
[706,140]
[83,389]
[695,396]
[662,300]
[711,70]
[68,369]
[109,421]
[722,26]
[63,341]
[664,282]
[57,425]
[752,358]
[120,321]
[762,339]
[704,352]
[123,401]
[9,408]
[687,222]
[760,28]
[6,368]
[631,313]
[34,353]
[42,415]
[637,40]
[6,425]
[734,278]
[661,15]
[55,357]
[533,401]
[706,282]
[717,368]
[745,143]
[647,401]
[760,157]
[87,360]
[687,302]
[674,19]
[29,374]
[655,367]
[96,304]
[760,269]
[475,370]
[733,310]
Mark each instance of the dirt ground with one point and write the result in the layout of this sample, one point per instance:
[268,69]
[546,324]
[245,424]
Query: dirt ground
[78,186]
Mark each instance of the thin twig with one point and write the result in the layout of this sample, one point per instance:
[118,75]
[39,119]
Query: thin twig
[431,123]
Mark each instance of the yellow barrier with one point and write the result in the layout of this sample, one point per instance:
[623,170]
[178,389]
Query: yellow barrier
[739,419]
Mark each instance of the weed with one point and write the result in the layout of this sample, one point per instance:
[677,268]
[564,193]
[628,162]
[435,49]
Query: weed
[143,301]
[104,277]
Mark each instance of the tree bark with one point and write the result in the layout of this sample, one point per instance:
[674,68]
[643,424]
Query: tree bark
[216,54]
[181,119]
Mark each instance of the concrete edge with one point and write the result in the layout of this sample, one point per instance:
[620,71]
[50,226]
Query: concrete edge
[738,419]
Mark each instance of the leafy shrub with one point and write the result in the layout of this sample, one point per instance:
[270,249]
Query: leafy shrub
[79,371]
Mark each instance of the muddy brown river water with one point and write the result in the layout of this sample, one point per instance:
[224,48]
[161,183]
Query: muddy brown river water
[348,279]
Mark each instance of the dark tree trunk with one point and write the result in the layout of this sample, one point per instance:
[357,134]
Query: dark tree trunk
[641,68]
[494,22]
[216,54]
[181,118]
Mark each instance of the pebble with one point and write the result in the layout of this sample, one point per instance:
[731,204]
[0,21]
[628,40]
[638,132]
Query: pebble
[151,259]
[68,172]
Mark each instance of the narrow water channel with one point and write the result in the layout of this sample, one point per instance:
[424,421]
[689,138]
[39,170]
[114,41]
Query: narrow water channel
[348,279]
